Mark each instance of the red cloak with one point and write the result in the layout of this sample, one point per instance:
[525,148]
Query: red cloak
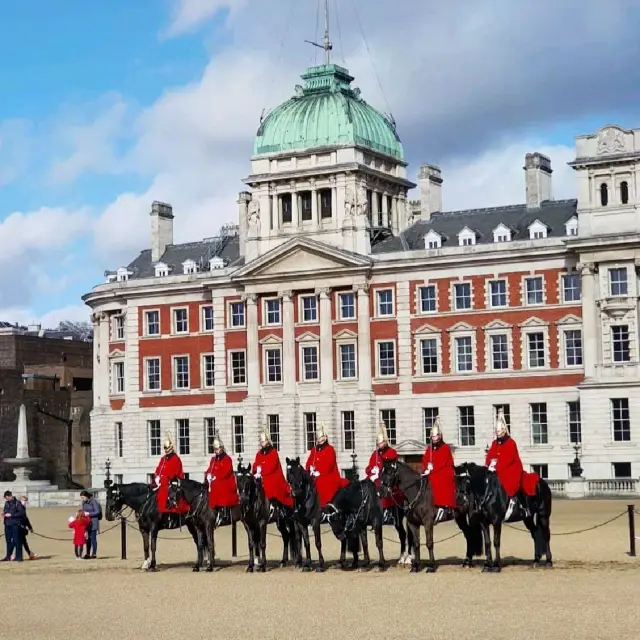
[329,482]
[273,480]
[377,461]
[442,476]
[169,467]
[509,468]
[223,491]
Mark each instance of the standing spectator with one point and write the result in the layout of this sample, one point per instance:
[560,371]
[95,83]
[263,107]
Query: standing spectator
[80,525]
[25,530]
[92,509]
[14,516]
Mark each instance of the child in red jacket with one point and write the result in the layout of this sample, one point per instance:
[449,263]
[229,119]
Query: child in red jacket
[80,525]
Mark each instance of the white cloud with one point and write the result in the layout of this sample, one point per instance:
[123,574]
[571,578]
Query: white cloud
[50,320]
[188,15]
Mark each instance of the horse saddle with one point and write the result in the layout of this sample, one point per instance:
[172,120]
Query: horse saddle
[223,517]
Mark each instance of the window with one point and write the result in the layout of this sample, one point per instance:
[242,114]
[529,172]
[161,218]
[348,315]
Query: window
[604,195]
[208,371]
[180,321]
[467,426]
[155,437]
[347,302]
[535,349]
[237,423]
[542,469]
[309,308]
[189,266]
[429,415]
[210,434]
[286,208]
[538,416]
[498,293]
[388,417]
[306,207]
[501,234]
[118,377]
[499,351]
[464,354]
[537,235]
[621,470]
[119,440]
[184,447]
[573,347]
[429,355]
[181,372]
[385,302]
[238,367]
[571,287]
[432,240]
[325,203]
[618,282]
[310,363]
[574,422]
[534,290]
[152,323]
[118,332]
[236,314]
[428,300]
[621,419]
[624,192]
[273,424]
[571,226]
[620,343]
[506,412]
[207,318]
[273,360]
[309,420]
[386,359]
[272,311]
[348,368]
[349,430]
[462,295]
[118,478]
[152,373]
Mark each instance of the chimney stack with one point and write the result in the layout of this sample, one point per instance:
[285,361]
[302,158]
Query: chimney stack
[430,183]
[161,228]
[537,171]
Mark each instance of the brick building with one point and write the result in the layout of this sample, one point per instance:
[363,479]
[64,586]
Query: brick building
[339,300]
[54,374]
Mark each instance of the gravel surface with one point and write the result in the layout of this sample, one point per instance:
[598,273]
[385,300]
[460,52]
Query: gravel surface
[590,594]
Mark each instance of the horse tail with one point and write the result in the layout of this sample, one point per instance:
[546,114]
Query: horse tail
[353,543]
[473,536]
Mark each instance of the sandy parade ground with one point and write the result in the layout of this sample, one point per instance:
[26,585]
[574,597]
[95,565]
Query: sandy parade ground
[591,593]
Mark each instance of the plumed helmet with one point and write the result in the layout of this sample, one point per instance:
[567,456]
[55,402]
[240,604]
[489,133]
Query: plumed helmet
[168,443]
[320,432]
[501,424]
[436,428]
[382,434]
[264,437]
[217,443]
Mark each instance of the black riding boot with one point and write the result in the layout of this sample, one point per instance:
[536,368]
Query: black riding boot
[387,517]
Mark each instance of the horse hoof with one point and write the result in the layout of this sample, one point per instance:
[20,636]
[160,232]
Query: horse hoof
[363,569]
[196,569]
[414,569]
[548,564]
[282,565]
[430,570]
[151,569]
[249,569]
[262,569]
[487,568]
[319,569]
[497,569]
[379,569]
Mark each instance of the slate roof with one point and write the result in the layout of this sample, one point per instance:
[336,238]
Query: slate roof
[553,213]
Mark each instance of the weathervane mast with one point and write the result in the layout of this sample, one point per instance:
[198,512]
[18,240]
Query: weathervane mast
[326,40]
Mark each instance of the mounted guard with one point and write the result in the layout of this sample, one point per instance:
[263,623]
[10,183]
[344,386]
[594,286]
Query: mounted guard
[322,465]
[169,467]
[223,492]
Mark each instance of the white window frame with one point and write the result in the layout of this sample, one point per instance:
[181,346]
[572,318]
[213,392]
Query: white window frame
[119,329]
[203,320]
[630,342]
[147,312]
[157,439]
[174,372]
[563,329]
[174,321]
[179,423]
[489,349]
[340,307]
[119,429]
[351,430]
[491,282]
[611,419]
[460,425]
[525,290]
[537,230]
[533,325]
[419,289]
[390,421]
[379,375]
[571,226]
[562,288]
[265,312]
[379,292]
[306,344]
[203,377]
[467,237]
[501,233]
[230,316]
[462,330]
[189,267]
[145,364]
[610,282]
[161,270]
[546,430]
[426,332]
[265,363]
[115,364]
[343,343]
[432,240]
[237,431]
[454,297]
[210,434]
[230,368]
[301,318]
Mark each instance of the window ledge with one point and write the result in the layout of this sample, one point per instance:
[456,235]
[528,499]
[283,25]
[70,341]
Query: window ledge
[385,380]
[623,445]
[538,447]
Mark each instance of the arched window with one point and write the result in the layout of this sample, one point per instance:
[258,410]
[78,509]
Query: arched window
[624,192]
[604,195]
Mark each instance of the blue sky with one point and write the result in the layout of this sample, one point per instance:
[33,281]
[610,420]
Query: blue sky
[108,106]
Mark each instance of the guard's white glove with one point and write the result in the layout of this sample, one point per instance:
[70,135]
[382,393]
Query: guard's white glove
[426,472]
[157,479]
[312,470]
[209,478]
[213,478]
[71,519]
[315,474]
[492,465]
[375,474]
[258,473]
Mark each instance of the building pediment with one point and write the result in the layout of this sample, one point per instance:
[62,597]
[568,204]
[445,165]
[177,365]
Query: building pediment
[308,336]
[300,256]
[534,322]
[570,319]
[271,339]
[497,324]
[426,328]
[461,326]
[345,334]
[116,353]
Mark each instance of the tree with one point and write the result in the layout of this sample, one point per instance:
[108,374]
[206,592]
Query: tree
[80,330]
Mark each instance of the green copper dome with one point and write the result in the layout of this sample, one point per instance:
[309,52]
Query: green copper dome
[327,111]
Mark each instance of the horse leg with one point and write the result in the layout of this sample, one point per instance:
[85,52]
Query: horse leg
[343,554]
[428,529]
[211,544]
[488,555]
[200,550]
[411,545]
[402,536]
[252,561]
[153,534]
[286,538]
[415,561]
[317,536]
[497,535]
[379,543]
[303,533]
[145,547]
[263,548]
[364,541]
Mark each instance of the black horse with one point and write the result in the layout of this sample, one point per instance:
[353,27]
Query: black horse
[141,499]
[256,512]
[353,509]
[395,515]
[421,512]
[205,519]
[488,505]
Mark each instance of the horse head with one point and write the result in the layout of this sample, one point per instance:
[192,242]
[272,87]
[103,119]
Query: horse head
[120,496]
[247,485]
[389,477]
[115,502]
[175,493]
[297,477]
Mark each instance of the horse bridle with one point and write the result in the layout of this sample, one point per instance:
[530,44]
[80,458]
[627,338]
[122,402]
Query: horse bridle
[193,510]
[406,506]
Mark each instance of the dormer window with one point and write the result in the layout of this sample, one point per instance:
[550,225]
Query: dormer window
[122,274]
[571,226]
[433,240]
[537,230]
[161,269]
[604,194]
[502,233]
[466,237]
[189,266]
[216,263]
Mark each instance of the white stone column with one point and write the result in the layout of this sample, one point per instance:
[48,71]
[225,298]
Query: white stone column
[315,209]
[364,338]
[326,341]
[375,209]
[394,216]
[253,347]
[104,380]
[385,210]
[590,312]
[295,222]
[288,343]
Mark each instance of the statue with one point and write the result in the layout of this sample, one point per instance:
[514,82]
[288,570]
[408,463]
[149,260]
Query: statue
[349,204]
[611,140]
[253,214]
[363,204]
